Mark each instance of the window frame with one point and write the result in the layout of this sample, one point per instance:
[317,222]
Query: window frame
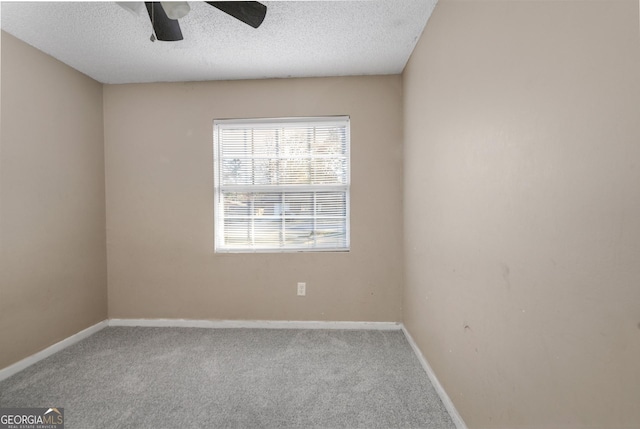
[253,123]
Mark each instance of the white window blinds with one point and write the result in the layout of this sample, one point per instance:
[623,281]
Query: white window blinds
[281,184]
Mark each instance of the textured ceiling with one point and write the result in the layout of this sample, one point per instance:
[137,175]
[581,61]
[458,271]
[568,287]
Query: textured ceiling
[296,39]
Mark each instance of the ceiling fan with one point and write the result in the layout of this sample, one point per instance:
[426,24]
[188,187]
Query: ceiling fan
[164,15]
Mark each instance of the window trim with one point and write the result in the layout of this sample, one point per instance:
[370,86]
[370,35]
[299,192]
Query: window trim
[339,120]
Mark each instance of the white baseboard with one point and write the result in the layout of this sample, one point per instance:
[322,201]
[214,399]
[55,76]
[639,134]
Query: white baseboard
[455,416]
[256,324]
[30,360]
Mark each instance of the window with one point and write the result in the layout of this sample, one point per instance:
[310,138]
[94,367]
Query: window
[282,184]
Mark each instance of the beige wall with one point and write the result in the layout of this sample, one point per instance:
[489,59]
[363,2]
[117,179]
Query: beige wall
[52,214]
[522,210]
[158,147]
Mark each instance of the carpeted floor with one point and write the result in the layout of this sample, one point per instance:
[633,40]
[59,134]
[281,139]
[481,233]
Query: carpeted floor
[124,377]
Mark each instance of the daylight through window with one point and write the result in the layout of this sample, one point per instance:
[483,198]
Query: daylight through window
[282,184]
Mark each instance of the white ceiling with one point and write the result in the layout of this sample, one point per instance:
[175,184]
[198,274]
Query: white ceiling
[296,39]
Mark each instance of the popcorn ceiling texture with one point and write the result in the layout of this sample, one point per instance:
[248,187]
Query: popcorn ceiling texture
[297,39]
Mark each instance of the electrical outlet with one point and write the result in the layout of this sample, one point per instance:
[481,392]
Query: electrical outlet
[302,289]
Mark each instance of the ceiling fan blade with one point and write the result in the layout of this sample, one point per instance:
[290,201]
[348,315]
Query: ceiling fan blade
[250,12]
[166,29]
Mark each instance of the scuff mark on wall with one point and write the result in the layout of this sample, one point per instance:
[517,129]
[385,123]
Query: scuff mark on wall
[505,275]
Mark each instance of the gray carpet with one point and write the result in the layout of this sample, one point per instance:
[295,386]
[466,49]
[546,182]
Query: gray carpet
[124,377]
